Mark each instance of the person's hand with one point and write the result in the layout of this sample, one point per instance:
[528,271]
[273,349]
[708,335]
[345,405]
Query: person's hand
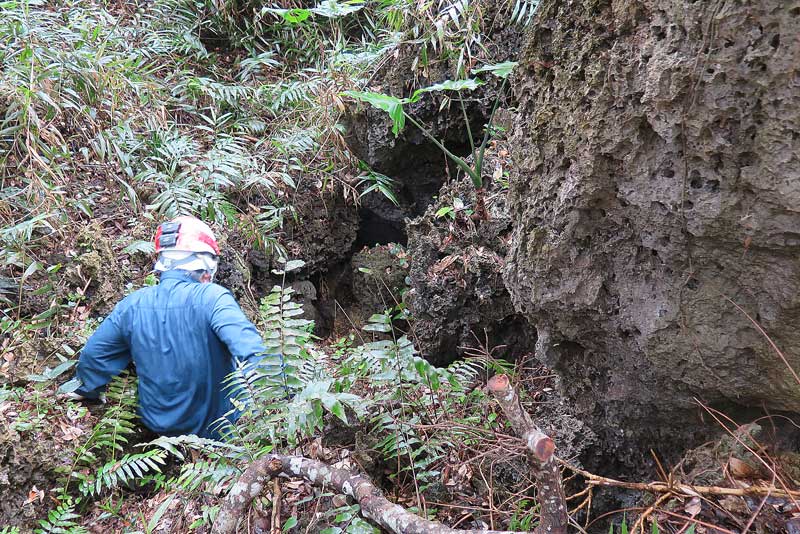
[76,397]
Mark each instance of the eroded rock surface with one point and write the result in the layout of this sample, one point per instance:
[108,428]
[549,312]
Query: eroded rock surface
[458,298]
[657,172]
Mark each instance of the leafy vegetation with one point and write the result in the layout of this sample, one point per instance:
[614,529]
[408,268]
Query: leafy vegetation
[394,106]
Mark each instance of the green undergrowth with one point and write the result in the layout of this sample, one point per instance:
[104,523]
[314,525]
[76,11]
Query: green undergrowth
[410,422]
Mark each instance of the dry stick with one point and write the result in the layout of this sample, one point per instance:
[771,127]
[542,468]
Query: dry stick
[639,525]
[374,505]
[276,507]
[716,528]
[679,489]
[758,511]
[553,502]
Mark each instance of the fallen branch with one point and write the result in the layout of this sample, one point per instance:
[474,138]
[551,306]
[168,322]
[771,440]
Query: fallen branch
[374,505]
[550,490]
[392,517]
[681,489]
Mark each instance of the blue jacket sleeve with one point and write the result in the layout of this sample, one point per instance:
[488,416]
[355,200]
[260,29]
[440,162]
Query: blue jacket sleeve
[235,330]
[104,356]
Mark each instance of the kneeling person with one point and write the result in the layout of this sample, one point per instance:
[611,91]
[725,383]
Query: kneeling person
[184,336]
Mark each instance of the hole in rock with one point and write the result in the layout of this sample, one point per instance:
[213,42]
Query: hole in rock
[375,229]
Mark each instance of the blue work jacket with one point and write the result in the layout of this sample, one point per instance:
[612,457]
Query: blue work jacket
[183,336]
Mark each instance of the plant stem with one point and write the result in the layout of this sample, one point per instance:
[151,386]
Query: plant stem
[466,123]
[476,178]
[487,135]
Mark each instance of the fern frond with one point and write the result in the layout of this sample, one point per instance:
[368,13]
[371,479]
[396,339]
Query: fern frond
[61,520]
[127,469]
[174,444]
[212,475]
[112,431]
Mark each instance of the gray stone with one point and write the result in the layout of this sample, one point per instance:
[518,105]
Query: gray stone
[657,174]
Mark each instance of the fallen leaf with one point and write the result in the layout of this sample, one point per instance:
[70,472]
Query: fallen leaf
[741,469]
[693,507]
[443,264]
[498,172]
[33,494]
[69,433]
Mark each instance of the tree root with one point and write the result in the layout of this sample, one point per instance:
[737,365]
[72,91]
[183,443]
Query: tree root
[392,517]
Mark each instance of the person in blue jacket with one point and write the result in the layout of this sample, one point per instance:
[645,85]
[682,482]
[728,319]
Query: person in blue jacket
[184,336]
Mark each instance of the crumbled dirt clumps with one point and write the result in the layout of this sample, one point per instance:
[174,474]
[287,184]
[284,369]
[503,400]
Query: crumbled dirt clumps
[38,436]
[655,173]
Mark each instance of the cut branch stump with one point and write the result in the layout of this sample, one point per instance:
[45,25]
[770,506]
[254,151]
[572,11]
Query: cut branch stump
[549,486]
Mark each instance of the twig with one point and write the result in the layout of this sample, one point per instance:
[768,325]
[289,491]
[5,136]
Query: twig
[678,488]
[276,507]
[758,511]
[716,528]
[639,524]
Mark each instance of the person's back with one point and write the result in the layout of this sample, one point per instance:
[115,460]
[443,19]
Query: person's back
[184,336]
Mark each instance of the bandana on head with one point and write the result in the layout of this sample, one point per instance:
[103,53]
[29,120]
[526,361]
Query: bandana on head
[186,261]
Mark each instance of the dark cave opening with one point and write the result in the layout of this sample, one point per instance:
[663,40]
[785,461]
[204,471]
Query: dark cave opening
[374,229]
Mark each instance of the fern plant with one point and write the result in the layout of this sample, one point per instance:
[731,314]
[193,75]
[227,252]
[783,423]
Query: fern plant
[109,435]
[62,520]
[285,396]
[127,469]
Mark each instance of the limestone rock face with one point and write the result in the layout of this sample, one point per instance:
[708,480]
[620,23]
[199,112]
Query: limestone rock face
[656,174]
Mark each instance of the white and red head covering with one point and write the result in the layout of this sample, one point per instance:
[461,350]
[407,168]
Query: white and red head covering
[186,243]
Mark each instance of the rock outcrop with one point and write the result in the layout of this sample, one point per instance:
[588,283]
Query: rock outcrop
[656,175]
[458,298]
[417,165]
